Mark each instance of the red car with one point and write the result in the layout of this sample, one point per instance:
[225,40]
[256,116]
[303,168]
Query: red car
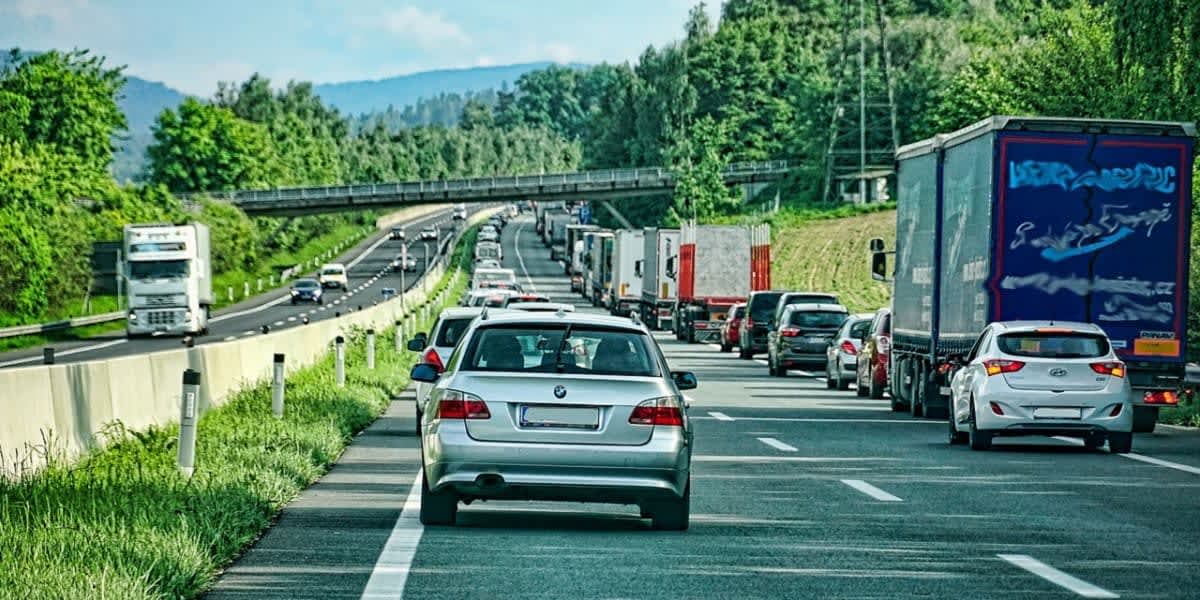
[731,327]
[872,369]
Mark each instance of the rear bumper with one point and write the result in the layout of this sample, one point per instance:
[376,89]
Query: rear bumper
[1019,407]
[591,473]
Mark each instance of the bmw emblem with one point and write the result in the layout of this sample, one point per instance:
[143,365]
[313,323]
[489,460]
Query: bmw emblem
[560,392]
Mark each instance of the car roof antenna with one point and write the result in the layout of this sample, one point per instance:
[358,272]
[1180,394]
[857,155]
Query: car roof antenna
[483,313]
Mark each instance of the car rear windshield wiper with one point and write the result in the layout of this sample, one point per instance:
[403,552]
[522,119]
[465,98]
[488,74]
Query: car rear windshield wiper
[558,362]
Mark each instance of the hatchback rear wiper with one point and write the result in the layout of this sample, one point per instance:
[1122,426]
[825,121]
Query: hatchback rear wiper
[558,363]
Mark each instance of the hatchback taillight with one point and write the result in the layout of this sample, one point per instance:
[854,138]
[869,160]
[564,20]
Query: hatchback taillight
[432,358]
[663,411]
[459,405]
[1115,368]
[998,366]
[849,348]
[789,332]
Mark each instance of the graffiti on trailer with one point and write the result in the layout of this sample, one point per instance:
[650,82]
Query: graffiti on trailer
[1116,223]
[1082,286]
[1034,173]
[1122,308]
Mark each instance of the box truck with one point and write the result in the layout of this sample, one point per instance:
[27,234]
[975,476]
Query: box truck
[628,246]
[660,259]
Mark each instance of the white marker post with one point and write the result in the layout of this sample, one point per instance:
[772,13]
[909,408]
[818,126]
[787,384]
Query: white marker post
[188,416]
[399,335]
[339,360]
[277,388]
[370,349]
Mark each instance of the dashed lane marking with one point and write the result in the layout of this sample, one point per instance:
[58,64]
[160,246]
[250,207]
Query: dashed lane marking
[1078,586]
[776,444]
[871,490]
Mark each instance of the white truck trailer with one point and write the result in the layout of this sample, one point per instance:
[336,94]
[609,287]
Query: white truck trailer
[628,249]
[660,260]
[168,269]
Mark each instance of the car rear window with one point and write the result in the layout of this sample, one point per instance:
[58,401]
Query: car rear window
[541,349]
[790,299]
[762,305]
[1053,345]
[859,328]
[450,331]
[817,319]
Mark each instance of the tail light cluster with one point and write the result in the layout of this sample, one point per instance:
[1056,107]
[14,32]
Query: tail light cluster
[663,411]
[998,366]
[461,405]
[431,357]
[849,348]
[1160,397]
[788,331]
[1115,368]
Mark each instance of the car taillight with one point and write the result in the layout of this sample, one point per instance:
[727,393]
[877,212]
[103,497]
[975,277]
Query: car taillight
[849,348]
[884,343]
[996,408]
[1161,397]
[1116,410]
[432,358]
[1116,369]
[459,405]
[749,323]
[789,332]
[998,366]
[657,411]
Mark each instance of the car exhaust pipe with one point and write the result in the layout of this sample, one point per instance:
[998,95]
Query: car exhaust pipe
[489,481]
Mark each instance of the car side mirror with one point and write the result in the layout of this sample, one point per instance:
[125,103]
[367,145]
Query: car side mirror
[684,380]
[418,343]
[425,373]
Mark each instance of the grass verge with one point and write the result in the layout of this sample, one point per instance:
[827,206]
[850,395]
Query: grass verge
[830,255]
[123,523]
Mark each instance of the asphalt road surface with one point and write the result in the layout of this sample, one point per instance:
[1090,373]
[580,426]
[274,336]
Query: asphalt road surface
[368,271]
[798,492]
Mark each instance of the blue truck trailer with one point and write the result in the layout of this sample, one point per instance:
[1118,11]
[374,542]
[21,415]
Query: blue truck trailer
[1046,219]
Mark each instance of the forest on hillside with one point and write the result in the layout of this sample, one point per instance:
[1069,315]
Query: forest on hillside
[59,117]
[760,84]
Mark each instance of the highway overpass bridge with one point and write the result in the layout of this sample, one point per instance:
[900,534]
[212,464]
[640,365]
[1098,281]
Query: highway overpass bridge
[580,185]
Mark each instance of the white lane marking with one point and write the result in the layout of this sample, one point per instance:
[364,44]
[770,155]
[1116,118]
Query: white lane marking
[324,308]
[520,259]
[230,338]
[65,352]
[1162,463]
[278,323]
[1141,457]
[1049,573]
[871,490]
[777,458]
[290,319]
[776,444]
[249,311]
[336,302]
[720,416]
[390,574]
[834,420]
[248,333]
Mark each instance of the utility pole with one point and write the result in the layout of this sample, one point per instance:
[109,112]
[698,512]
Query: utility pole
[869,155]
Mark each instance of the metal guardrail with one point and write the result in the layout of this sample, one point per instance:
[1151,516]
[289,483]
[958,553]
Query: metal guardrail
[606,176]
[37,328]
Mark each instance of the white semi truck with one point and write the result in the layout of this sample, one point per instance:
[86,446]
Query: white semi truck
[628,248]
[168,270]
[659,261]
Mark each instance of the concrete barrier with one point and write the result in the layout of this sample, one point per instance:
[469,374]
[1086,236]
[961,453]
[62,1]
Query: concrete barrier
[71,404]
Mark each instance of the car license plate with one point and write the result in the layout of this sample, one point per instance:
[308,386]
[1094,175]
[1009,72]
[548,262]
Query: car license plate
[1056,413]
[560,417]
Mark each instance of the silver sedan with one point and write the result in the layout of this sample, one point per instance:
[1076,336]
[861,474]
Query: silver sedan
[557,406]
[1041,378]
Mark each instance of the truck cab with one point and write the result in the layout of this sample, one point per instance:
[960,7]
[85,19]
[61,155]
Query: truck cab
[168,279]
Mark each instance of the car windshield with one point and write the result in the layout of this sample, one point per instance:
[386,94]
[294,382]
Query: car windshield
[306,284]
[541,349]
[763,304]
[1053,345]
[449,331]
[817,319]
[158,269]
[332,271]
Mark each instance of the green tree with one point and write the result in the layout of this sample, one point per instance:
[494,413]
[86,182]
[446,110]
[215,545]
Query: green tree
[700,191]
[201,147]
[71,101]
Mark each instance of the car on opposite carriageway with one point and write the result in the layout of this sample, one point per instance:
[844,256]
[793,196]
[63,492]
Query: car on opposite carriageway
[556,406]
[307,290]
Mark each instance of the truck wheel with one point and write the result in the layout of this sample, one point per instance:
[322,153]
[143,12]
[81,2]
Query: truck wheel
[726,347]
[916,405]
[1120,443]
[691,336]
[1144,419]
[980,440]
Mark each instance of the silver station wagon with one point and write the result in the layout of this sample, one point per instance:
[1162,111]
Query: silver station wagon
[556,407]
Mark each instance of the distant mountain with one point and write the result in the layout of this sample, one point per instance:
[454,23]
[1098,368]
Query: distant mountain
[358,97]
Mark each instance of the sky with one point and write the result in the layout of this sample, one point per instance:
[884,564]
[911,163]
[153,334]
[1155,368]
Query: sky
[191,45]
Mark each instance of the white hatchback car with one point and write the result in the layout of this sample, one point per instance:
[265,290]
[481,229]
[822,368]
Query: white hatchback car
[1041,378]
[436,347]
